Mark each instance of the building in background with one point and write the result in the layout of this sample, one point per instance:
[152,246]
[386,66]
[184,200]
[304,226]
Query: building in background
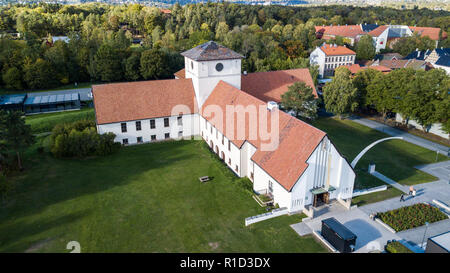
[329,57]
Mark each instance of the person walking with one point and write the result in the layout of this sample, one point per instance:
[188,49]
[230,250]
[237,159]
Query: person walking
[402,198]
[411,189]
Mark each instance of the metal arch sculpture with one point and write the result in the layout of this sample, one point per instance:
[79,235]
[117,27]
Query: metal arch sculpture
[358,157]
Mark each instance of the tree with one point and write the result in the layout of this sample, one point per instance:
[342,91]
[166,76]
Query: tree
[300,99]
[361,80]
[425,94]
[365,50]
[406,45]
[340,95]
[379,95]
[16,135]
[108,64]
[132,67]
[153,64]
[13,78]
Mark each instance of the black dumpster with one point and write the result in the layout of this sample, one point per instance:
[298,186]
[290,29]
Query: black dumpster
[338,235]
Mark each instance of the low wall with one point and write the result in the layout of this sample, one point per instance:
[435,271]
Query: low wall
[265,216]
[434,129]
[371,190]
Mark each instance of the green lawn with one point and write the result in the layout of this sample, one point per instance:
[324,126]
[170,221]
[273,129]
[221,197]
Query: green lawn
[41,123]
[145,198]
[394,158]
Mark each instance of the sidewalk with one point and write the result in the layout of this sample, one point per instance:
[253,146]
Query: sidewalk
[406,136]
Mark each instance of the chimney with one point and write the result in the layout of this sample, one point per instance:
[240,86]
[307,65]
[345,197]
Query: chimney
[272,105]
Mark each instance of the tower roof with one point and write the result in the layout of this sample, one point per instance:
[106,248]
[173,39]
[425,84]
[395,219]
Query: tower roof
[211,51]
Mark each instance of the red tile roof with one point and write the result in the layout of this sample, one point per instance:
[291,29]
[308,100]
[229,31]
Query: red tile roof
[117,102]
[269,86]
[181,74]
[432,32]
[377,32]
[297,139]
[393,64]
[344,31]
[331,50]
[355,68]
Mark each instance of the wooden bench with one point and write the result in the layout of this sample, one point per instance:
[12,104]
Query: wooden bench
[204,178]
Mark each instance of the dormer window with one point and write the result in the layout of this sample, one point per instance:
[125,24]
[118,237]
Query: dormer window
[219,67]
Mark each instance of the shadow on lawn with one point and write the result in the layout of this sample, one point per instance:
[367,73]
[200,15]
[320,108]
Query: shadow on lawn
[52,180]
[18,236]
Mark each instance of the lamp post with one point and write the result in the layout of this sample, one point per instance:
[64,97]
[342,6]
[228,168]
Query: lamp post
[426,226]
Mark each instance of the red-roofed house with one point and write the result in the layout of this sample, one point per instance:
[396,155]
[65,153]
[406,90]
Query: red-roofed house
[287,159]
[382,34]
[351,33]
[329,57]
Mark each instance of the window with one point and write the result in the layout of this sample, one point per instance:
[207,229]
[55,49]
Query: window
[237,168]
[125,141]
[219,67]
[270,186]
[192,65]
[229,161]
[124,127]
[153,137]
[152,124]
[223,139]
[217,134]
[180,134]
[166,122]
[251,176]
[229,145]
[167,135]
[211,129]
[138,126]
[180,120]
[139,139]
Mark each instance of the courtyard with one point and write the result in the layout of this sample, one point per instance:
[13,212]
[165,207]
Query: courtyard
[145,198]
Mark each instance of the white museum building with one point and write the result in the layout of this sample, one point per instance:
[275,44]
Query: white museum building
[237,115]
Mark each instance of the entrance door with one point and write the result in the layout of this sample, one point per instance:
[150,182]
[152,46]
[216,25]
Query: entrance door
[321,199]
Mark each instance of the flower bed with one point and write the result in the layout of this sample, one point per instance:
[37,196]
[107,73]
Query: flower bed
[397,247]
[412,216]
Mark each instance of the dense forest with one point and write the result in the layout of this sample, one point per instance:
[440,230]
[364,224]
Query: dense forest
[101,47]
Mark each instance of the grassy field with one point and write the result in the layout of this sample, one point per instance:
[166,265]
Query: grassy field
[145,198]
[394,158]
[41,123]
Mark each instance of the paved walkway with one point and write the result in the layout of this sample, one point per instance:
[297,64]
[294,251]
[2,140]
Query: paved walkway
[391,182]
[370,234]
[406,136]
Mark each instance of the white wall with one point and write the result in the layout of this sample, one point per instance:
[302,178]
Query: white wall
[189,128]
[381,40]
[327,162]
[317,57]
[205,76]
[435,128]
[216,137]
[446,68]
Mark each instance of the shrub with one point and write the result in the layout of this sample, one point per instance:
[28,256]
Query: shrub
[412,216]
[80,139]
